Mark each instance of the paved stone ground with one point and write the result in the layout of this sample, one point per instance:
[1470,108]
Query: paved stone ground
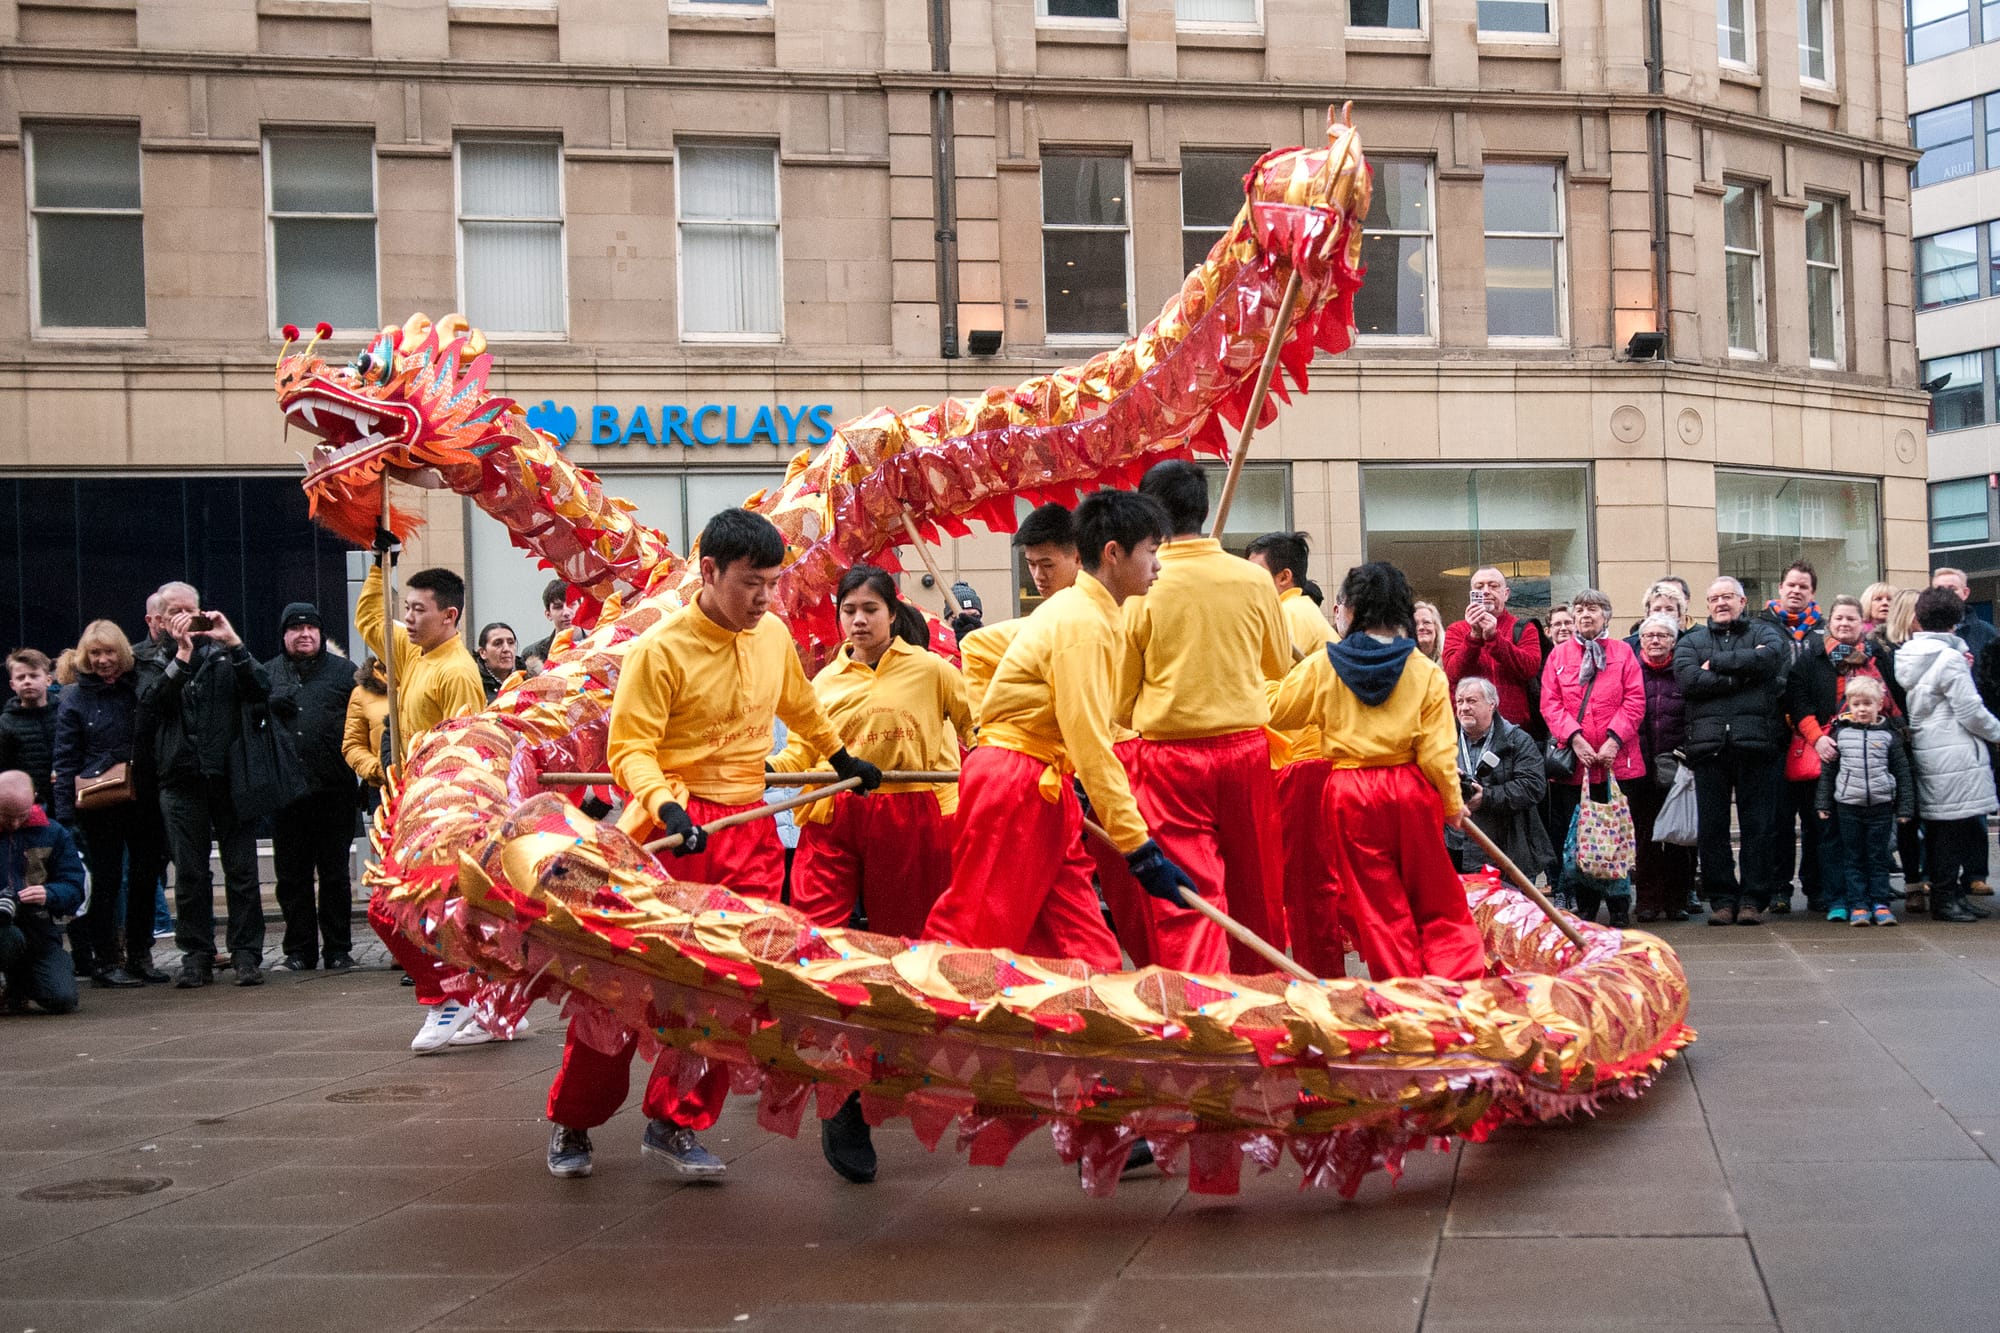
[1823,1159]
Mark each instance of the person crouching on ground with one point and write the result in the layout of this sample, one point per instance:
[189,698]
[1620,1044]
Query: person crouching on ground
[41,885]
[1385,718]
[1868,778]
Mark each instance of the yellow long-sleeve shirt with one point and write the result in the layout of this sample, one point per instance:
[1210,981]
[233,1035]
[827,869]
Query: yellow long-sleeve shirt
[1200,645]
[1414,725]
[979,654]
[908,711]
[1052,699]
[692,713]
[1311,633]
[433,683]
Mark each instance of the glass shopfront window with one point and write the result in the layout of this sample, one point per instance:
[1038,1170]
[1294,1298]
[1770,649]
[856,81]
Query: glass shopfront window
[78,549]
[506,582]
[1439,524]
[1766,520]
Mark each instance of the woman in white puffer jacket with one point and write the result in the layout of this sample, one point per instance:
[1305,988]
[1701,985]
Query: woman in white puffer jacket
[1949,729]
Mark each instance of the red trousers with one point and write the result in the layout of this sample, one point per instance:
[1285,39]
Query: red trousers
[427,970]
[590,1086]
[1212,807]
[1312,906]
[1395,880]
[890,850]
[1122,893]
[1020,879]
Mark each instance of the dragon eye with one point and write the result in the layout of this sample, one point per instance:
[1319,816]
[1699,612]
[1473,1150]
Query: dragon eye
[364,365]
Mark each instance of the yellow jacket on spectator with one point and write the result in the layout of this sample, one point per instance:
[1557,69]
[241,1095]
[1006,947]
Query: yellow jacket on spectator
[1200,645]
[361,738]
[432,684]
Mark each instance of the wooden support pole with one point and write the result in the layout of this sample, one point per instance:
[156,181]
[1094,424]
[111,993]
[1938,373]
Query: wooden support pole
[1524,884]
[761,812]
[951,606]
[1286,304]
[817,777]
[389,622]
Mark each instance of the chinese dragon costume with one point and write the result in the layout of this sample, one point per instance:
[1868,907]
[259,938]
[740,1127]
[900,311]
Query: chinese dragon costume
[517,887]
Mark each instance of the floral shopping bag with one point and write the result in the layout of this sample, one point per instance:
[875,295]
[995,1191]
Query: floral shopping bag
[1604,838]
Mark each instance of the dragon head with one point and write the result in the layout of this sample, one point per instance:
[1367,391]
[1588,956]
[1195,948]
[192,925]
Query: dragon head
[1308,203]
[411,405]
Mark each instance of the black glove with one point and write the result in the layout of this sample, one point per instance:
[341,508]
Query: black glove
[10,902]
[971,613]
[1157,875]
[673,819]
[386,542]
[596,807]
[848,766]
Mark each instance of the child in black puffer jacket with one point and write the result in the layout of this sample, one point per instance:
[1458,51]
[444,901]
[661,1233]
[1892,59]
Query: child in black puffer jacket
[1870,781]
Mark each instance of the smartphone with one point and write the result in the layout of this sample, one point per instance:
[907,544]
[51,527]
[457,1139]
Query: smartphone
[201,620]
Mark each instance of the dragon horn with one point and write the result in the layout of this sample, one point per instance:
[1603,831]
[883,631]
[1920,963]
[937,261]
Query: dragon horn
[291,332]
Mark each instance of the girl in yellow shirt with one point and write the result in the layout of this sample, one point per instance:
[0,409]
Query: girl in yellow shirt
[899,706]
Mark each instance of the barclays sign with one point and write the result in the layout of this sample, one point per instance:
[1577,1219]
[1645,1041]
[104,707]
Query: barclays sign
[690,427]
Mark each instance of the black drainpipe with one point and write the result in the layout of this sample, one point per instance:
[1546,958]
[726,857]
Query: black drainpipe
[1656,152]
[944,170]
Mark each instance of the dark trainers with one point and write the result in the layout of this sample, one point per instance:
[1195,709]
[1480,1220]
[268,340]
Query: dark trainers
[116,978]
[1722,915]
[340,962]
[294,963]
[248,970]
[679,1149]
[847,1144]
[569,1153]
[1750,916]
[195,972]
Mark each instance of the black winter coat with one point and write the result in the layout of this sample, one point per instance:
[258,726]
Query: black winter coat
[309,698]
[1513,784]
[1664,728]
[192,712]
[1736,702]
[28,742]
[95,728]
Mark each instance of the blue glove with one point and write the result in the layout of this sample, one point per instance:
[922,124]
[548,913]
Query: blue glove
[848,766]
[673,819]
[1159,876]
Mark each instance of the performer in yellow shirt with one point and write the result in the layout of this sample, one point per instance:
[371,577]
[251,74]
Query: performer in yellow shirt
[1386,724]
[691,726]
[1312,910]
[1199,647]
[436,679]
[1017,881]
[905,708]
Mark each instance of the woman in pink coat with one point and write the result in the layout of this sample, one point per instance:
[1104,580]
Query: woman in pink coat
[1594,695]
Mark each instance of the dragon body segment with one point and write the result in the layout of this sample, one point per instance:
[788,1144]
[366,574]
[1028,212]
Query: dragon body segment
[517,887]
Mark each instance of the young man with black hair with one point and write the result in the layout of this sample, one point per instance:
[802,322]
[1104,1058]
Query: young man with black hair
[436,679]
[1199,646]
[555,606]
[1318,941]
[691,728]
[1019,878]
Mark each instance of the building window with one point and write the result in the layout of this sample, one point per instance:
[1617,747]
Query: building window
[1211,197]
[1217,13]
[1397,249]
[1517,18]
[1947,268]
[1958,512]
[1992,252]
[1736,32]
[1743,268]
[1823,295]
[729,257]
[1937,27]
[510,236]
[745,8]
[85,228]
[1945,136]
[1089,10]
[1960,401]
[1815,38]
[1086,246]
[1766,520]
[1990,105]
[320,195]
[1396,15]
[1438,524]
[1524,251]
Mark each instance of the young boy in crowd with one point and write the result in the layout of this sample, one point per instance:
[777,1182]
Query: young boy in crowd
[28,723]
[1869,779]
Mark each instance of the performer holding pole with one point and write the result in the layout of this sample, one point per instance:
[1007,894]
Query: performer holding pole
[1199,647]
[1386,726]
[430,677]
[691,726]
[1311,907]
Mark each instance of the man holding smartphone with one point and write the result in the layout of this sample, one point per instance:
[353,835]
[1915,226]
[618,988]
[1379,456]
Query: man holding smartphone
[1492,644]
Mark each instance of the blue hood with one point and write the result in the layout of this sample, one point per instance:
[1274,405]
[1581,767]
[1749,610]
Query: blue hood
[1369,667]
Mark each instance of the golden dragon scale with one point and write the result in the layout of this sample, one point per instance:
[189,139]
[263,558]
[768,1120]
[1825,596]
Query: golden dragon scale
[528,897]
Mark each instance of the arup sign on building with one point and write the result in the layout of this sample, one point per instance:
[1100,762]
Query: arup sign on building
[707,424]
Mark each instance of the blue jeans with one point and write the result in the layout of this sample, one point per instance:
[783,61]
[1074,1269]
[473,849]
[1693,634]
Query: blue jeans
[1867,839]
[36,967]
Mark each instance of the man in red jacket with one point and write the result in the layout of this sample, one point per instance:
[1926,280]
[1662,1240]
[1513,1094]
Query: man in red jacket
[1489,642]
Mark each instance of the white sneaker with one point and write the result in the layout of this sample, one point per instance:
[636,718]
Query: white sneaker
[476,1034]
[441,1023]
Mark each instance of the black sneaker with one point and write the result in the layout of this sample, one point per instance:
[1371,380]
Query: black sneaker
[569,1153]
[294,963]
[195,973]
[340,962]
[149,974]
[1621,914]
[677,1146]
[248,969]
[1949,909]
[116,978]
[845,1140]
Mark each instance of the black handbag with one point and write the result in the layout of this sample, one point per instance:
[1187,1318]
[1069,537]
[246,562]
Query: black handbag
[265,774]
[1558,760]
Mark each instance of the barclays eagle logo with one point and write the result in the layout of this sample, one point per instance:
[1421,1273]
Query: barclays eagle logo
[549,419]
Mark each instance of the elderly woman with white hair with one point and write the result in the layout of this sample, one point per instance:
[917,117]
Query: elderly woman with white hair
[1662,873]
[1593,698]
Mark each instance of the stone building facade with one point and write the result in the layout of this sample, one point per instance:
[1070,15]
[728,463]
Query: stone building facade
[816,204]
